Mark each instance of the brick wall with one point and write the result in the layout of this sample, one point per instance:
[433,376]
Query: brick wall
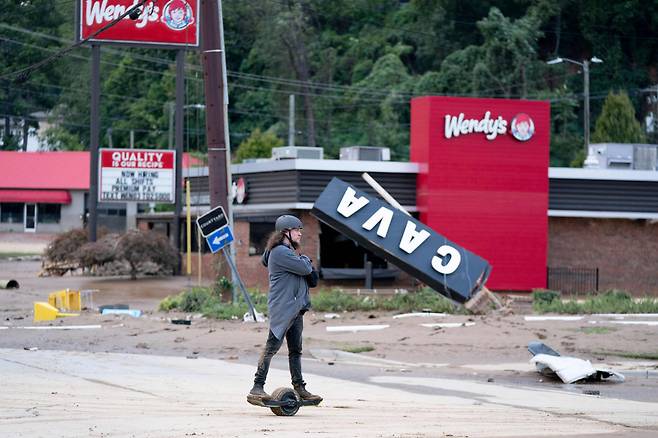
[208,266]
[252,272]
[625,251]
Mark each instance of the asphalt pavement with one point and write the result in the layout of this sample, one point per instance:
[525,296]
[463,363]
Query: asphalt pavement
[49,393]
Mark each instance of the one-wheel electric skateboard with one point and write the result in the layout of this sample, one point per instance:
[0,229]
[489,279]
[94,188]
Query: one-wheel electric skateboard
[284,402]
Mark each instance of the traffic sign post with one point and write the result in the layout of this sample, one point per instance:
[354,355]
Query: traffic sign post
[212,221]
[213,225]
[219,239]
[245,294]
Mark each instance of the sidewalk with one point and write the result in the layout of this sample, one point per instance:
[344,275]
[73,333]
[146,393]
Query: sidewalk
[25,243]
[75,394]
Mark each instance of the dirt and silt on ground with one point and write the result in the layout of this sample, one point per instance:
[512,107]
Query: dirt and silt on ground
[493,349]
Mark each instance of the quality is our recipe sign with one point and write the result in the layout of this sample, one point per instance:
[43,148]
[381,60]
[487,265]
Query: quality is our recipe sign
[137,175]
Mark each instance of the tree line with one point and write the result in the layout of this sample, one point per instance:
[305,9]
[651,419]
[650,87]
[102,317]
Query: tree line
[353,67]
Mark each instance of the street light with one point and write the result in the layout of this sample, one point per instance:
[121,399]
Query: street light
[585,66]
[172,108]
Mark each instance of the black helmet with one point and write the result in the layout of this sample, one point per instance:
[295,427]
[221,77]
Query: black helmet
[287,222]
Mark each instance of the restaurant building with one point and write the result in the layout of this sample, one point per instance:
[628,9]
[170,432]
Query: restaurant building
[478,175]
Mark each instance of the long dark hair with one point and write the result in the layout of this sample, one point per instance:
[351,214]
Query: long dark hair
[279,238]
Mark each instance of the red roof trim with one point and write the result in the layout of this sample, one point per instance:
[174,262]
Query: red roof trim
[36,196]
[51,170]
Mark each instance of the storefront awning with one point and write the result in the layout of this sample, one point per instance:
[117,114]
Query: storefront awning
[35,196]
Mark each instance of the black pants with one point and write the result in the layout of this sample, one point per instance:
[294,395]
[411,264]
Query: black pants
[293,337]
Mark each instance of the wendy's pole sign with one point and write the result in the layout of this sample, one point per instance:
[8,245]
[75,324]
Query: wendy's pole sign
[166,24]
[158,23]
[406,242]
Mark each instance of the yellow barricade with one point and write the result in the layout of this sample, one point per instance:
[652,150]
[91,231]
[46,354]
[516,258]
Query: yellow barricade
[46,312]
[65,299]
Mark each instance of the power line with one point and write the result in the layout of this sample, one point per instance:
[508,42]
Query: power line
[23,74]
[399,96]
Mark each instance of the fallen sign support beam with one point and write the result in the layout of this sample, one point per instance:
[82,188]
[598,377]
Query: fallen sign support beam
[404,241]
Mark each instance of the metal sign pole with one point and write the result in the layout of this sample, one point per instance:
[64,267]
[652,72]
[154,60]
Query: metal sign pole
[178,127]
[94,138]
[245,294]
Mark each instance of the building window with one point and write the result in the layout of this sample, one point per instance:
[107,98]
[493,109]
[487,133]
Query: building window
[11,212]
[339,251]
[112,211]
[258,234]
[49,213]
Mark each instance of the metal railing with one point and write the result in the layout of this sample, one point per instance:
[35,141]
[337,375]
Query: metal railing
[573,280]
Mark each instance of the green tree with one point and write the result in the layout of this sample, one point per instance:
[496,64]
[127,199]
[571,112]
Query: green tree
[566,141]
[23,95]
[258,145]
[617,122]
[58,138]
[137,101]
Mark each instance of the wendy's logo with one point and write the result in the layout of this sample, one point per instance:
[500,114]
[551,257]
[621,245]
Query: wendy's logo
[523,128]
[177,15]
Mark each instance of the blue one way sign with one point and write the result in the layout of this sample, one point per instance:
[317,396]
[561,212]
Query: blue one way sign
[219,239]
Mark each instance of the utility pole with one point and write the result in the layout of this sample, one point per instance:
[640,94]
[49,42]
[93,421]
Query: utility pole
[585,65]
[214,75]
[586,117]
[214,88]
[170,106]
[291,120]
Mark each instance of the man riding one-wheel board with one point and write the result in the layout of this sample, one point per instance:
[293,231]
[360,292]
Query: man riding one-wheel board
[288,299]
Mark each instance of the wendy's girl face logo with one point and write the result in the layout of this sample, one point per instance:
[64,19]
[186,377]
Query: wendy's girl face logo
[177,15]
[523,128]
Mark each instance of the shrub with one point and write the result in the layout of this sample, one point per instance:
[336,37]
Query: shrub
[222,286]
[196,299]
[137,247]
[335,300]
[172,302]
[204,300]
[424,300]
[545,296]
[94,254]
[65,246]
[612,301]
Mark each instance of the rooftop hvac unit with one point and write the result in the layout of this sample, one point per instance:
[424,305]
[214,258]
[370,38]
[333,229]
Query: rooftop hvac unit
[292,152]
[365,153]
[622,156]
[645,157]
[619,156]
[255,160]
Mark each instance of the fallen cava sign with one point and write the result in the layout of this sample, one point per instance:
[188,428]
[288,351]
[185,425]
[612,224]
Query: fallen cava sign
[404,241]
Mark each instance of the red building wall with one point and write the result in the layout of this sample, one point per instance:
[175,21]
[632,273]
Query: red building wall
[490,195]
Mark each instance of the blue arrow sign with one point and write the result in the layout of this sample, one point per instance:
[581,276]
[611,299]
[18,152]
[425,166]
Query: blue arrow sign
[219,239]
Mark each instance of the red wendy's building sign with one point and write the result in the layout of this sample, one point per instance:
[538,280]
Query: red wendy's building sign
[161,22]
[484,181]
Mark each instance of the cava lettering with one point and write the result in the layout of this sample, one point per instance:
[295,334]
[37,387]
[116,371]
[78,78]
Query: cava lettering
[447,258]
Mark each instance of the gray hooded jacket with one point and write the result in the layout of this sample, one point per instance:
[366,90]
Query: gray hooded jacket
[288,293]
